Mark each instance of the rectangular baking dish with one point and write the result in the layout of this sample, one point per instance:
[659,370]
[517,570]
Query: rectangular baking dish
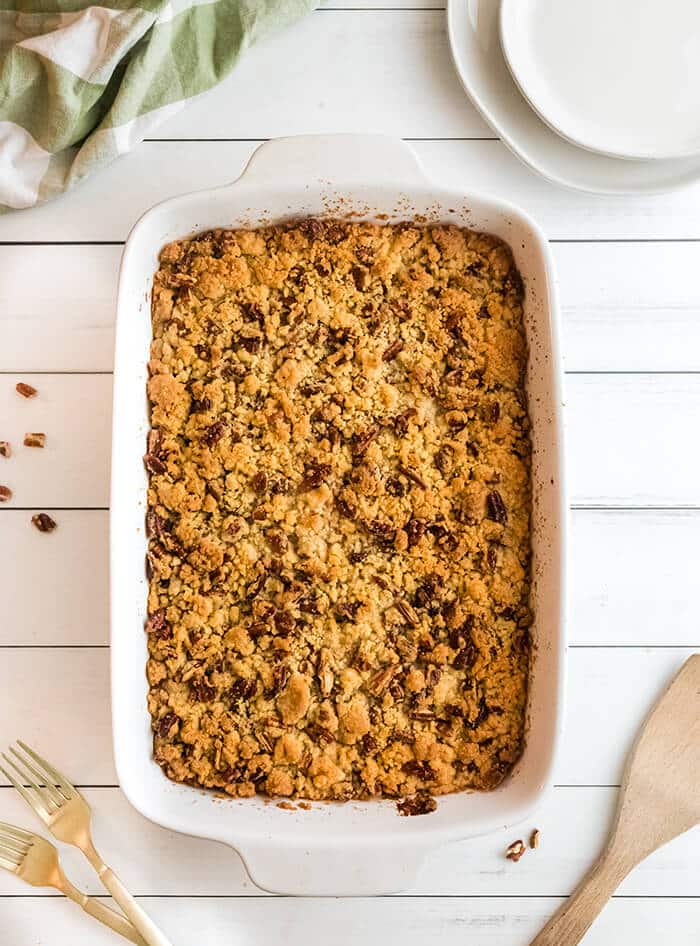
[356,848]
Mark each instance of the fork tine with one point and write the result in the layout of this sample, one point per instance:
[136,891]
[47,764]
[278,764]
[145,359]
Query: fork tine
[30,799]
[19,833]
[54,795]
[8,864]
[9,847]
[68,789]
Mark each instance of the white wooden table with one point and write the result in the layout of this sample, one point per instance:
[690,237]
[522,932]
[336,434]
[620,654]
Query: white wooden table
[631,301]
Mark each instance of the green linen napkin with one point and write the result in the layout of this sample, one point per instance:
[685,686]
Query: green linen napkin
[80,85]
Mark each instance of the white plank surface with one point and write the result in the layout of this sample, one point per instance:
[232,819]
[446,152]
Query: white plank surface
[625,306]
[489,921]
[160,169]
[627,445]
[610,690]
[630,575]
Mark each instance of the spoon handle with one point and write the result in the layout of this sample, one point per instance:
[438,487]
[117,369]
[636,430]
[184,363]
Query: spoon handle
[570,923]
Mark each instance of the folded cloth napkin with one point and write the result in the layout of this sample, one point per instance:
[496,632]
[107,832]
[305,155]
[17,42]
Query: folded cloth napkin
[80,85]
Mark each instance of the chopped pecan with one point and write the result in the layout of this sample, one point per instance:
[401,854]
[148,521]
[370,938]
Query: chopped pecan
[34,440]
[326,678]
[242,688]
[411,474]
[415,530]
[393,350]
[251,343]
[466,657]
[165,724]
[445,459]
[202,690]
[314,474]
[360,441]
[213,433]
[422,803]
[5,494]
[154,442]
[407,612]
[422,715]
[200,405]
[535,839]
[380,680]
[360,277]
[320,735]
[5,449]
[515,851]
[383,531]
[280,676]
[401,420]
[422,770]
[496,508]
[157,624]
[26,390]
[277,541]
[259,482]
[154,464]
[44,522]
[284,623]
[395,487]
[347,611]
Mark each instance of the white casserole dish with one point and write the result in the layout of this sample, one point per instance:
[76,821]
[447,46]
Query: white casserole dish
[356,848]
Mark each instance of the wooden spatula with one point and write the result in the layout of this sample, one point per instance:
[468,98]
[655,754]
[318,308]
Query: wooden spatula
[659,799]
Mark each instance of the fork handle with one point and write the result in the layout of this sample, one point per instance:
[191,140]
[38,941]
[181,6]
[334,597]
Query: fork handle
[140,919]
[100,911]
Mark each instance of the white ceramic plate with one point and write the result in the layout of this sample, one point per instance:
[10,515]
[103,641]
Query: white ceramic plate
[358,848]
[476,49]
[621,78]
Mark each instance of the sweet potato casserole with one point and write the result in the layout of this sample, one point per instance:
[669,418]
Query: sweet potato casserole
[338,511]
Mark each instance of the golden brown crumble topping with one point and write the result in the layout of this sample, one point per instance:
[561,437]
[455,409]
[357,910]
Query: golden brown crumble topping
[338,511]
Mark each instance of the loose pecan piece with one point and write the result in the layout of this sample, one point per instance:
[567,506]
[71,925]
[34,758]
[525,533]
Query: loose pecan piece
[411,474]
[34,440]
[393,350]
[26,390]
[5,449]
[515,851]
[44,522]
[380,680]
[361,441]
[408,612]
[319,735]
[5,494]
[154,464]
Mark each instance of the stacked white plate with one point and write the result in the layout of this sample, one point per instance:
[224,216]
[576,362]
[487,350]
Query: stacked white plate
[598,95]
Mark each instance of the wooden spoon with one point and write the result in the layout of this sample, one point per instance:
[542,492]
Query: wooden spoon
[659,799]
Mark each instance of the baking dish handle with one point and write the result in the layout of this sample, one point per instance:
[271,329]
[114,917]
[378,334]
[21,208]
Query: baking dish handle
[339,871]
[351,158]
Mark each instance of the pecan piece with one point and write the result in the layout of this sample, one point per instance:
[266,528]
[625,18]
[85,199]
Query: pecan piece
[34,440]
[213,433]
[361,441]
[401,421]
[535,839]
[154,464]
[277,541]
[200,405]
[165,725]
[515,851]
[284,623]
[157,625]
[5,449]
[44,522]
[380,680]
[154,442]
[242,688]
[412,475]
[496,508]
[415,530]
[314,474]
[26,390]
[422,803]
[393,350]
[5,494]
[280,676]
[203,691]
[408,612]
[259,482]
[384,532]
[320,735]
[422,770]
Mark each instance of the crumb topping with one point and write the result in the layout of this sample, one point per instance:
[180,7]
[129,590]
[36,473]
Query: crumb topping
[338,511]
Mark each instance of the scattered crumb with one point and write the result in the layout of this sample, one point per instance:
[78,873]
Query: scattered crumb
[34,440]
[422,803]
[535,839]
[26,390]
[515,851]
[5,449]
[305,806]
[286,806]
[5,494]
[44,522]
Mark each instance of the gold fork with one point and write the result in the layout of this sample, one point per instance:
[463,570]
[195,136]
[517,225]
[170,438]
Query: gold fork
[67,815]
[35,860]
